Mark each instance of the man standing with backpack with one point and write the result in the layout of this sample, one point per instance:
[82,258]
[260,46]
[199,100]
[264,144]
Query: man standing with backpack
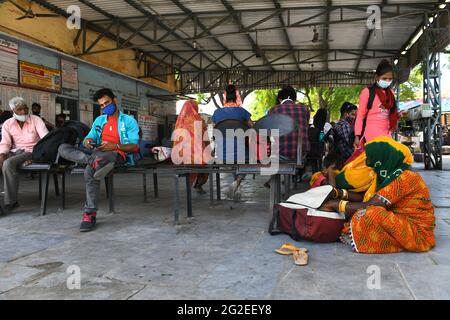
[113,139]
[19,136]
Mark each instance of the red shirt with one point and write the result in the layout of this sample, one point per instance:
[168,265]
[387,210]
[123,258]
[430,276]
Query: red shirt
[110,133]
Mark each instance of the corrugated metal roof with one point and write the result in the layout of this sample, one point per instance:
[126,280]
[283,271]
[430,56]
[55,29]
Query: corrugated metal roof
[232,37]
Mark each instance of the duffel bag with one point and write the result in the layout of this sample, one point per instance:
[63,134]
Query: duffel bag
[301,220]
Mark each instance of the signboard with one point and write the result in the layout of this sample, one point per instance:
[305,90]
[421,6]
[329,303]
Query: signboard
[39,77]
[9,62]
[69,78]
[149,127]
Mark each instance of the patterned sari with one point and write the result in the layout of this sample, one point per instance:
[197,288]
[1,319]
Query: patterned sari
[408,221]
[190,123]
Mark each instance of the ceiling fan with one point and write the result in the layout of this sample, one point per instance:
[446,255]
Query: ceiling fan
[257,49]
[28,13]
[315,38]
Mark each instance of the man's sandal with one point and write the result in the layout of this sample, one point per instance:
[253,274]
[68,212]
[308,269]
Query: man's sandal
[300,258]
[288,248]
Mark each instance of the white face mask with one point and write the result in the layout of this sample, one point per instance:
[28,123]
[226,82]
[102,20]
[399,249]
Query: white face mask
[384,84]
[21,118]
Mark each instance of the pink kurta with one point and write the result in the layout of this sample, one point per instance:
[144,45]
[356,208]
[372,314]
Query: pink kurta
[25,138]
[377,119]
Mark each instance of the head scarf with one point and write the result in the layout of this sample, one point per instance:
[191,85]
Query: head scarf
[388,158]
[387,99]
[187,120]
[356,175]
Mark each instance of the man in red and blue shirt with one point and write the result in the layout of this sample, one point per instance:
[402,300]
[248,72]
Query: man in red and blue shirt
[300,114]
[112,141]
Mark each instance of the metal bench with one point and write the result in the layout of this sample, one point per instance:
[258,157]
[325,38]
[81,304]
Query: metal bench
[178,171]
[47,170]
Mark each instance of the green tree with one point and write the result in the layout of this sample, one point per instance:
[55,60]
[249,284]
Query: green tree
[201,97]
[332,99]
[412,89]
[328,98]
[263,101]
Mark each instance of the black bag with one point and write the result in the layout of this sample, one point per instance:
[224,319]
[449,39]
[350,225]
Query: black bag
[46,150]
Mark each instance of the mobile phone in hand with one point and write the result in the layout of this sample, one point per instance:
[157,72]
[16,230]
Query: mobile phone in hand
[94,145]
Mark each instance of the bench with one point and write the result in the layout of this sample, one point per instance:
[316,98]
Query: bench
[47,170]
[286,169]
[149,166]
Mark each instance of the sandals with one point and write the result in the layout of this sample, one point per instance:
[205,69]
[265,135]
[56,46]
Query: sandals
[300,258]
[299,255]
[288,248]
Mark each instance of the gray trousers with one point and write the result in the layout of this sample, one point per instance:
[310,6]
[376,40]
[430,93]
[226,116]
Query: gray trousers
[11,176]
[86,156]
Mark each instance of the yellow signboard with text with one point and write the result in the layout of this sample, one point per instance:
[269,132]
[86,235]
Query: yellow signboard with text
[39,77]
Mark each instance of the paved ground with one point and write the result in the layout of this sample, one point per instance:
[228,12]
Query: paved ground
[224,252]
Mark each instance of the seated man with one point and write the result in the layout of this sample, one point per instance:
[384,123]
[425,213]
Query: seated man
[113,139]
[19,135]
[36,110]
[343,131]
[232,113]
[300,114]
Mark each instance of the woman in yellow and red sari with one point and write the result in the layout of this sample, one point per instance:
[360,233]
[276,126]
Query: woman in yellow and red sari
[395,214]
[191,128]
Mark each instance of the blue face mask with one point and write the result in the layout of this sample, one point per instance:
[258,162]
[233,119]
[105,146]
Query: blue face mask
[109,109]
[384,84]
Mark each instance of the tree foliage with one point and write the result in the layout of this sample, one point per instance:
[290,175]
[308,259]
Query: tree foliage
[328,98]
[332,99]
[263,100]
[412,89]
[201,98]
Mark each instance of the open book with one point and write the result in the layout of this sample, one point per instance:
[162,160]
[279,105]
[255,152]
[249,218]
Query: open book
[312,200]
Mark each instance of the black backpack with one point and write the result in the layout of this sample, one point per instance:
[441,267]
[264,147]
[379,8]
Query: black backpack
[46,150]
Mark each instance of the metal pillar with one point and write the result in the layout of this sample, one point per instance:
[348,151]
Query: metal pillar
[397,98]
[432,131]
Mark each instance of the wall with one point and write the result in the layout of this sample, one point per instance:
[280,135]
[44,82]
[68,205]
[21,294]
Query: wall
[53,33]
[130,92]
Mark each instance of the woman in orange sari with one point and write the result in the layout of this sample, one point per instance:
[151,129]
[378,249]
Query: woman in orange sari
[395,214]
[191,128]
[231,97]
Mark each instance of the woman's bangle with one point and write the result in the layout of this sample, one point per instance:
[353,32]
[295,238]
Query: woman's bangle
[117,146]
[336,193]
[344,194]
[342,206]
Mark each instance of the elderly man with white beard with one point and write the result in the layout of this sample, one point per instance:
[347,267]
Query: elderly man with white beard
[19,136]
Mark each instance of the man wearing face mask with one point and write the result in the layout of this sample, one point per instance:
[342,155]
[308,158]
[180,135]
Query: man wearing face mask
[19,135]
[112,141]
[343,131]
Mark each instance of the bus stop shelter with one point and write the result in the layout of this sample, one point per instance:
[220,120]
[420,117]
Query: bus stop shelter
[227,253]
[267,44]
